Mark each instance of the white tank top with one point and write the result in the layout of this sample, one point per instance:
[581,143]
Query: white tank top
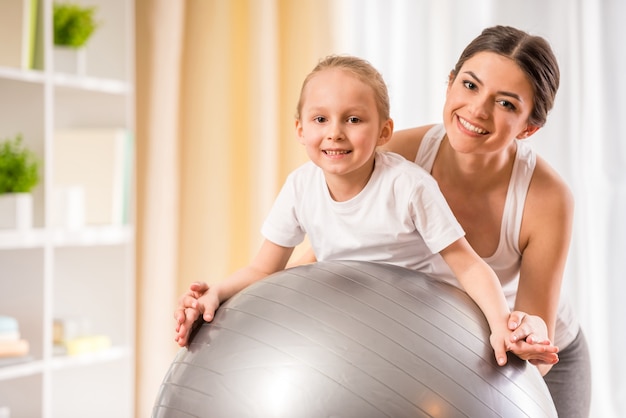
[506,260]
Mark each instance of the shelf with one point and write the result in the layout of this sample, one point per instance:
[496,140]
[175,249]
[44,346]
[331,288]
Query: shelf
[68,81]
[93,235]
[83,83]
[27,368]
[31,76]
[15,240]
[89,236]
[33,367]
[104,356]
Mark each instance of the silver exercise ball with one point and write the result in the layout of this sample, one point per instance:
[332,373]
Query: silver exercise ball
[348,339]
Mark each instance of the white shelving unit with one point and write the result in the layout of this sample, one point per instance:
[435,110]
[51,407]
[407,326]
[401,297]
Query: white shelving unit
[49,272]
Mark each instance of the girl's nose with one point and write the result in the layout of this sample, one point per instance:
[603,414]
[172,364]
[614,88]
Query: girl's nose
[335,132]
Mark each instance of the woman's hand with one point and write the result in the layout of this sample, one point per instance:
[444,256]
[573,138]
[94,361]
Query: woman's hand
[529,340]
[188,311]
[530,328]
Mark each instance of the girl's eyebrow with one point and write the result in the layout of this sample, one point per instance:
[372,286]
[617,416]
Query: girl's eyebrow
[504,93]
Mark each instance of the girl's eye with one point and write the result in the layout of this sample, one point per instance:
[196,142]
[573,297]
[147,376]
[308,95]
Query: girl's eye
[319,119]
[354,119]
[469,85]
[506,104]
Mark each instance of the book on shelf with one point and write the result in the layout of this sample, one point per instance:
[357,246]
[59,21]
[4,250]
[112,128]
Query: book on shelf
[9,327]
[19,24]
[11,343]
[99,161]
[83,345]
[9,336]
[72,336]
[13,348]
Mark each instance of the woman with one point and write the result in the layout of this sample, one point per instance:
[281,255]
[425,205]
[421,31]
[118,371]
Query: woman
[516,211]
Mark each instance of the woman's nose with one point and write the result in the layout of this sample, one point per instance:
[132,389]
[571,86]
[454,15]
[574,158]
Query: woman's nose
[481,107]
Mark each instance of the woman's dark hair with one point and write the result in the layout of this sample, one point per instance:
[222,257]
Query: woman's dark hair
[532,54]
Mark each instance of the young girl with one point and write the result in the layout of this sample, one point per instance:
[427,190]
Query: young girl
[357,203]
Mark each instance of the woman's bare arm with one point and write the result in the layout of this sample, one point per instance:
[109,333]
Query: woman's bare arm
[544,241]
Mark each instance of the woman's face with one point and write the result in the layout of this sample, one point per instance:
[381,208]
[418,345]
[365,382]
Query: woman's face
[487,105]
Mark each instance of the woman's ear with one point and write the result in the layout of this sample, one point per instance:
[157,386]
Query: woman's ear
[527,132]
[385,133]
[451,78]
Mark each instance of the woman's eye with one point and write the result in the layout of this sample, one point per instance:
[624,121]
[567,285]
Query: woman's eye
[320,119]
[469,85]
[506,104]
[354,119]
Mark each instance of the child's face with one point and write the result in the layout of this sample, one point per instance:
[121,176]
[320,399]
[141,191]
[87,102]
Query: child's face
[340,126]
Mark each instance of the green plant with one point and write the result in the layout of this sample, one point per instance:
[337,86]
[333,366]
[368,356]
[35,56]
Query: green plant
[73,24]
[19,167]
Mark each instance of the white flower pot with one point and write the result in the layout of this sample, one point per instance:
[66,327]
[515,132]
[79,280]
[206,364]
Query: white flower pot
[16,211]
[69,60]
[68,207]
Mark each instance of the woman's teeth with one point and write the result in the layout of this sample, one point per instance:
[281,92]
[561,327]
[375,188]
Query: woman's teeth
[471,127]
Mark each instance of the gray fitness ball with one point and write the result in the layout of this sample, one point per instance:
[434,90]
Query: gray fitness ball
[348,339]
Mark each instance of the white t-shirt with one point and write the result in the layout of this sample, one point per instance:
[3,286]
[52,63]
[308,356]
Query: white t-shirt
[400,217]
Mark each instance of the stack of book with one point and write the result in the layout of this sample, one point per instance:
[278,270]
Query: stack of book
[73,336]
[13,348]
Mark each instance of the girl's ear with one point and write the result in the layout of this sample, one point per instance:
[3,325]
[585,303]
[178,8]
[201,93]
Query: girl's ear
[527,132]
[385,133]
[299,133]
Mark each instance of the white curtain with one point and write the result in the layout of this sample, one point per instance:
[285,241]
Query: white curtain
[415,43]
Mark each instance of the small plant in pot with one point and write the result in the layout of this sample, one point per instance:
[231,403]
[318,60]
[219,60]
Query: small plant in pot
[19,174]
[73,24]
[73,27]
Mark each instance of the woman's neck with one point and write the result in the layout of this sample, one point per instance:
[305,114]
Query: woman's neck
[476,172]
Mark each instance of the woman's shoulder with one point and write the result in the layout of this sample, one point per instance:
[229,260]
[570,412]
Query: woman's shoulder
[549,196]
[396,163]
[406,142]
[546,181]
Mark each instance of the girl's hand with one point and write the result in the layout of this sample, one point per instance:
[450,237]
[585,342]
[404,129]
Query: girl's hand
[188,312]
[499,340]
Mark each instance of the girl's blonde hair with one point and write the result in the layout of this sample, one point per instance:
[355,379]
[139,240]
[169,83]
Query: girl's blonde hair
[363,70]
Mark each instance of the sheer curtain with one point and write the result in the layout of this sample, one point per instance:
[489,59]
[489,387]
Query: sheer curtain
[416,43]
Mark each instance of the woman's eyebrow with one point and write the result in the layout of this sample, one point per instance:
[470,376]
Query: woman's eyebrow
[502,92]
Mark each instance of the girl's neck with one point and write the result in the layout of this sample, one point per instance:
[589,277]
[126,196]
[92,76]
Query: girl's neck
[345,187]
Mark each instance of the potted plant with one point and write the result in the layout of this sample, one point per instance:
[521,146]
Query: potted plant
[19,174]
[73,26]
